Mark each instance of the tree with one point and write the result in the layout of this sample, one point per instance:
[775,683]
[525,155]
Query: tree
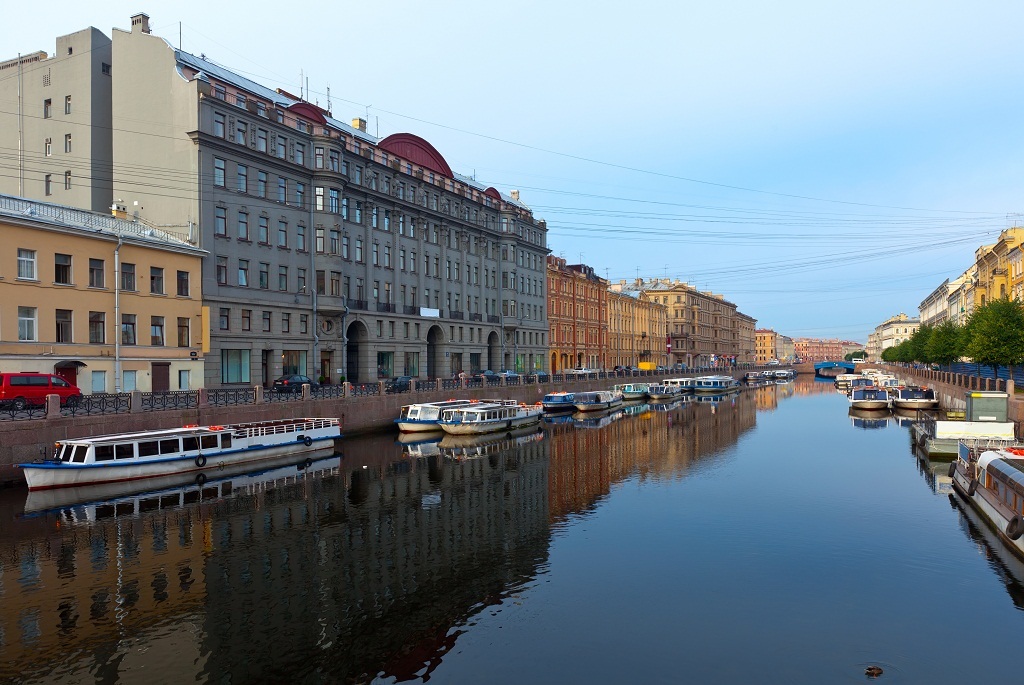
[918,343]
[995,334]
[856,354]
[946,344]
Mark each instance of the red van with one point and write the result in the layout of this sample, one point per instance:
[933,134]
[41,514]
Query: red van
[21,389]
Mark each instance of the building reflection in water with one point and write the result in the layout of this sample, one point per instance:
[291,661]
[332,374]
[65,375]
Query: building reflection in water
[368,564]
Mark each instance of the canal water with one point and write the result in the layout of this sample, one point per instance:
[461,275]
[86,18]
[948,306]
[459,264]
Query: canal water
[770,537]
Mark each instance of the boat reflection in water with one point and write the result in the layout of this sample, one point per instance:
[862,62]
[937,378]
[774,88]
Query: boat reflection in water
[420,444]
[1004,563]
[597,419]
[476,446]
[869,419]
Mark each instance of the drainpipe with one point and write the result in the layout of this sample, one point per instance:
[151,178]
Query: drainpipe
[117,311]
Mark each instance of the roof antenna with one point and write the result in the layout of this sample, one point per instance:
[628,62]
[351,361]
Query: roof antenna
[329,99]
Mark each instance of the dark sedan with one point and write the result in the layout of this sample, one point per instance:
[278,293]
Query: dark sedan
[292,383]
[400,384]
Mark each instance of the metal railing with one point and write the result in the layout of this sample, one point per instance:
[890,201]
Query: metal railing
[450,384]
[223,398]
[99,403]
[324,392]
[365,389]
[179,399]
[275,396]
[9,413]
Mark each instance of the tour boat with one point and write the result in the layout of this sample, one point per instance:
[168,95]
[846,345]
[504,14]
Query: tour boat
[597,399]
[993,481]
[559,401]
[783,374]
[715,384]
[912,397]
[425,415]
[843,380]
[190,449]
[859,382]
[632,391]
[488,417]
[663,392]
[684,384]
[870,397]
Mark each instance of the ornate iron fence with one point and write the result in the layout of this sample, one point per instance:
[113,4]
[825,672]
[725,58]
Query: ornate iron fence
[100,403]
[9,413]
[450,384]
[179,399]
[426,385]
[323,392]
[223,398]
[364,389]
[493,380]
[475,383]
[274,396]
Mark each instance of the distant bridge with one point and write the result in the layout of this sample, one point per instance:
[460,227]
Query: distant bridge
[820,367]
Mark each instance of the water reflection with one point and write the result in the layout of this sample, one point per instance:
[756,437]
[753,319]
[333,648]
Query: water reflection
[363,565]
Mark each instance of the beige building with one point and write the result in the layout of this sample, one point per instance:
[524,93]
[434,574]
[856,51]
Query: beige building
[636,330]
[108,304]
[786,349]
[704,328]
[891,332]
[934,309]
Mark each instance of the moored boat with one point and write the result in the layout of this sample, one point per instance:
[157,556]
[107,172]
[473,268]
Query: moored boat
[993,482]
[597,399]
[715,384]
[559,401]
[424,416]
[191,449]
[684,384]
[488,417]
[912,397]
[663,393]
[869,397]
[632,391]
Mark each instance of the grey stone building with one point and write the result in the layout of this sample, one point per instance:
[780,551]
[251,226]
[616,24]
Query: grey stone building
[331,252]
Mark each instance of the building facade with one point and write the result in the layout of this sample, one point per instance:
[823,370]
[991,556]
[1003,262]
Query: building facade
[330,252]
[766,342]
[108,304]
[891,332]
[819,349]
[577,316]
[934,309]
[637,329]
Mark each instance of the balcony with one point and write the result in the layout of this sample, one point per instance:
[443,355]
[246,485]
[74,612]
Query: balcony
[410,309]
[386,307]
[456,315]
[491,318]
[476,317]
[357,304]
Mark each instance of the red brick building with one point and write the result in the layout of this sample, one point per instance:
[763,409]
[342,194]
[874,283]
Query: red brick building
[577,316]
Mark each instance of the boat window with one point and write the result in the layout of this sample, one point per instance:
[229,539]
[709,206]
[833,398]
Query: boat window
[58,452]
[170,446]
[149,448]
[104,452]
[124,450]
[225,440]
[80,452]
[189,444]
[209,442]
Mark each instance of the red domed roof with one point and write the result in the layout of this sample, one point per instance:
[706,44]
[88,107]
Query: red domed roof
[416,150]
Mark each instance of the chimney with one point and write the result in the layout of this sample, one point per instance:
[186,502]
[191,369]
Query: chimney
[515,195]
[140,23]
[359,123]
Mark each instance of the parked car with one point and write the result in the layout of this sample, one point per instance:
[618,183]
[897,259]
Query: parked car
[508,374]
[293,383]
[22,389]
[400,384]
[541,376]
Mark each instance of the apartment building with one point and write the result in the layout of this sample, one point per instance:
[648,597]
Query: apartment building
[577,315]
[767,342]
[330,252]
[108,304]
[637,330]
[820,349]
[891,332]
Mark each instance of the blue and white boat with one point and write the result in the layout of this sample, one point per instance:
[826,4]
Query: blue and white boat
[196,450]
[597,399]
[559,401]
[715,384]
[632,391]
[489,416]
[423,417]
[664,393]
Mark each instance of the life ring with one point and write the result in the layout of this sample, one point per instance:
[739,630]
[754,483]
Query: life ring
[952,469]
[972,488]
[201,460]
[1015,528]
[307,441]
[200,479]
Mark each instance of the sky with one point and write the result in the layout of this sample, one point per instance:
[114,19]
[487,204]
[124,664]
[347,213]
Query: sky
[822,165]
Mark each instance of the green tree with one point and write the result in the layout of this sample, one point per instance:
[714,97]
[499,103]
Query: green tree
[945,345]
[857,354]
[918,343]
[995,334]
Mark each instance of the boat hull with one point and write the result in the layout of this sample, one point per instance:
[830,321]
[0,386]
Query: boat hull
[981,500]
[417,426]
[485,427]
[869,404]
[915,404]
[598,406]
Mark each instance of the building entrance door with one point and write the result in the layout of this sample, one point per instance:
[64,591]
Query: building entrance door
[161,376]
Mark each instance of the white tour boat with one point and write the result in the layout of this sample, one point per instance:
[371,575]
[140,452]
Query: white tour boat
[869,397]
[715,384]
[993,481]
[843,380]
[684,384]
[597,399]
[632,391]
[663,393]
[191,449]
[489,417]
[559,401]
[425,415]
[912,397]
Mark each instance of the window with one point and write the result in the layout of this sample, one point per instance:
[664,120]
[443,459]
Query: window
[27,264]
[156,331]
[47,184]
[67,142]
[318,198]
[234,366]
[375,254]
[67,104]
[282,278]
[63,326]
[105,68]
[264,230]
[243,179]
[359,249]
[373,218]
[320,283]
[183,331]
[222,270]
[387,256]
[48,147]
[335,241]
[27,323]
[286,323]
[303,323]
[128,329]
[241,132]
[156,280]
[401,259]
[335,283]
[334,160]
[282,190]
[218,124]
[219,92]
[359,212]
[243,226]
[282,145]
[220,221]
[358,177]
[264,275]
[344,247]
[47,107]
[344,208]
[300,277]
[387,219]
[182,284]
[67,180]
[243,273]
[97,328]
[300,153]
[246,319]
[127,276]
[300,238]
[261,140]
[282,233]
[266,322]
[300,194]
[333,201]
[261,183]
[218,172]
[62,269]
[224,319]
[319,240]
[318,157]
[96,279]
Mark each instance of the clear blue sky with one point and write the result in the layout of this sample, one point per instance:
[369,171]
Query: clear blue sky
[823,165]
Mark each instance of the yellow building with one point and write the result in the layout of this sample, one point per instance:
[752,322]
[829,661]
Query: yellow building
[109,304]
[636,330]
[766,345]
[993,278]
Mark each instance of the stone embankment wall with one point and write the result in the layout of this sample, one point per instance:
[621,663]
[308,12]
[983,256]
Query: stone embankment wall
[28,440]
